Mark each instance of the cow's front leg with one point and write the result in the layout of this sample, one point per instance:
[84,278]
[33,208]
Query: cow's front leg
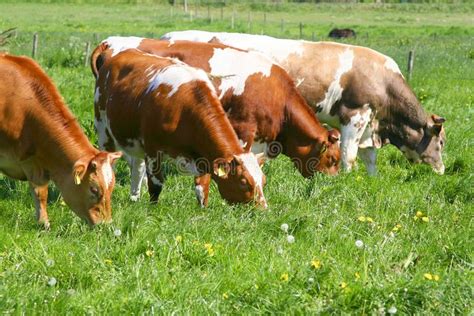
[137,173]
[201,184]
[350,137]
[155,176]
[40,198]
[369,157]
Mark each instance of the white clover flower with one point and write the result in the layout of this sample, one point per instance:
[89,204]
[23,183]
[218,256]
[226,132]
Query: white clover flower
[359,243]
[117,232]
[52,281]
[392,310]
[50,262]
[310,280]
[290,239]
[284,227]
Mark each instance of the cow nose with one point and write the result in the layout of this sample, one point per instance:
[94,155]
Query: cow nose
[439,169]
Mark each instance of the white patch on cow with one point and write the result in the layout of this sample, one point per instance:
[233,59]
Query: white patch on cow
[121,43]
[390,64]
[137,174]
[234,67]
[107,173]
[134,148]
[96,95]
[299,82]
[335,89]
[200,194]
[278,49]
[101,128]
[176,75]
[250,163]
[242,143]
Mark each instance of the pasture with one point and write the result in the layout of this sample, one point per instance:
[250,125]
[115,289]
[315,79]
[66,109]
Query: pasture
[401,242]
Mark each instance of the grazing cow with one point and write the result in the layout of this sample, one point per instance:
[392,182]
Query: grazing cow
[342,33]
[153,106]
[40,140]
[261,101]
[355,88]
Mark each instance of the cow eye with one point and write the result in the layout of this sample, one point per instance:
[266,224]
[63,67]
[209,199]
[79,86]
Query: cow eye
[94,191]
[243,181]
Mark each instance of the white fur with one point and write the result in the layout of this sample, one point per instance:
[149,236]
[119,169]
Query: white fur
[234,67]
[96,95]
[200,194]
[250,162]
[278,49]
[350,137]
[392,65]
[107,173]
[175,75]
[121,43]
[101,128]
[335,89]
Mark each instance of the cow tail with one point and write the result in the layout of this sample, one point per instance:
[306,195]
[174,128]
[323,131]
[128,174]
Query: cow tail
[96,59]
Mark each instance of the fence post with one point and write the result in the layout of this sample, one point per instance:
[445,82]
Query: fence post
[209,12]
[232,19]
[88,52]
[185,6]
[301,30]
[222,13]
[411,58]
[35,45]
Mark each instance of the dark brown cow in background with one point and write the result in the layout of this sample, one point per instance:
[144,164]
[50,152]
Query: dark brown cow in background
[40,140]
[153,106]
[261,101]
[342,33]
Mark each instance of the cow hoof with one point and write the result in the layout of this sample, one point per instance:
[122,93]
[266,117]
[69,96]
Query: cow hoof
[134,198]
[46,225]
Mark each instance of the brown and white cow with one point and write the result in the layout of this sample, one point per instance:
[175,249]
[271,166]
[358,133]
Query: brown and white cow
[154,106]
[261,101]
[355,88]
[40,140]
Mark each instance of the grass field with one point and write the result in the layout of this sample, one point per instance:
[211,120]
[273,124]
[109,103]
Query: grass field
[176,257]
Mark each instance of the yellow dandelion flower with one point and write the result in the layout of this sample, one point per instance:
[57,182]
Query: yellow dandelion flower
[415,218]
[178,238]
[358,178]
[436,277]
[357,275]
[107,261]
[284,277]
[361,218]
[225,296]
[425,219]
[419,214]
[343,285]
[428,276]
[369,219]
[256,286]
[316,264]
[396,228]
[209,249]
[149,253]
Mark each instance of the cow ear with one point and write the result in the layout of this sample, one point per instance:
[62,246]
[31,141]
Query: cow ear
[79,170]
[114,156]
[437,119]
[334,136]
[435,128]
[221,168]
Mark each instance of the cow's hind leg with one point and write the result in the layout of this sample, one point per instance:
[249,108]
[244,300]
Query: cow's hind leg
[137,173]
[202,189]
[369,157]
[40,198]
[351,135]
[155,177]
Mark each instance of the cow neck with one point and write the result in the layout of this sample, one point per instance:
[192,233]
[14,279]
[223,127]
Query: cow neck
[301,122]
[62,142]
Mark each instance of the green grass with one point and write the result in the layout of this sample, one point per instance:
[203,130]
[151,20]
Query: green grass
[98,272]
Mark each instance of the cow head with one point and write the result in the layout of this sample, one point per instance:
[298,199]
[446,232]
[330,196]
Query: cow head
[320,157]
[429,148]
[90,187]
[240,180]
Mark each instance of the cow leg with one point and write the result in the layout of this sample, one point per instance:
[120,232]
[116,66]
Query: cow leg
[202,189]
[154,176]
[369,157]
[40,197]
[351,135]
[137,173]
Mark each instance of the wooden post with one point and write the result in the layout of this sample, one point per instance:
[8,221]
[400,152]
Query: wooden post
[185,6]
[88,52]
[96,38]
[249,23]
[282,24]
[411,58]
[209,12]
[301,30]
[232,19]
[35,45]
[264,19]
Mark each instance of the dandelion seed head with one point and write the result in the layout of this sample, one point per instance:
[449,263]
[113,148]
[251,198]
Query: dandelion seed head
[284,227]
[392,310]
[117,232]
[359,243]
[290,239]
[52,281]
[50,262]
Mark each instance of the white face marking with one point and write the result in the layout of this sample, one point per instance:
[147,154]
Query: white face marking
[277,49]
[107,173]
[96,95]
[174,76]
[121,43]
[335,89]
[200,194]
[392,65]
[250,163]
[234,67]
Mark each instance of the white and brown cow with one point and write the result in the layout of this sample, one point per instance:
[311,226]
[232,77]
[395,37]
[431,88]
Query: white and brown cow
[355,88]
[263,105]
[153,106]
[40,140]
